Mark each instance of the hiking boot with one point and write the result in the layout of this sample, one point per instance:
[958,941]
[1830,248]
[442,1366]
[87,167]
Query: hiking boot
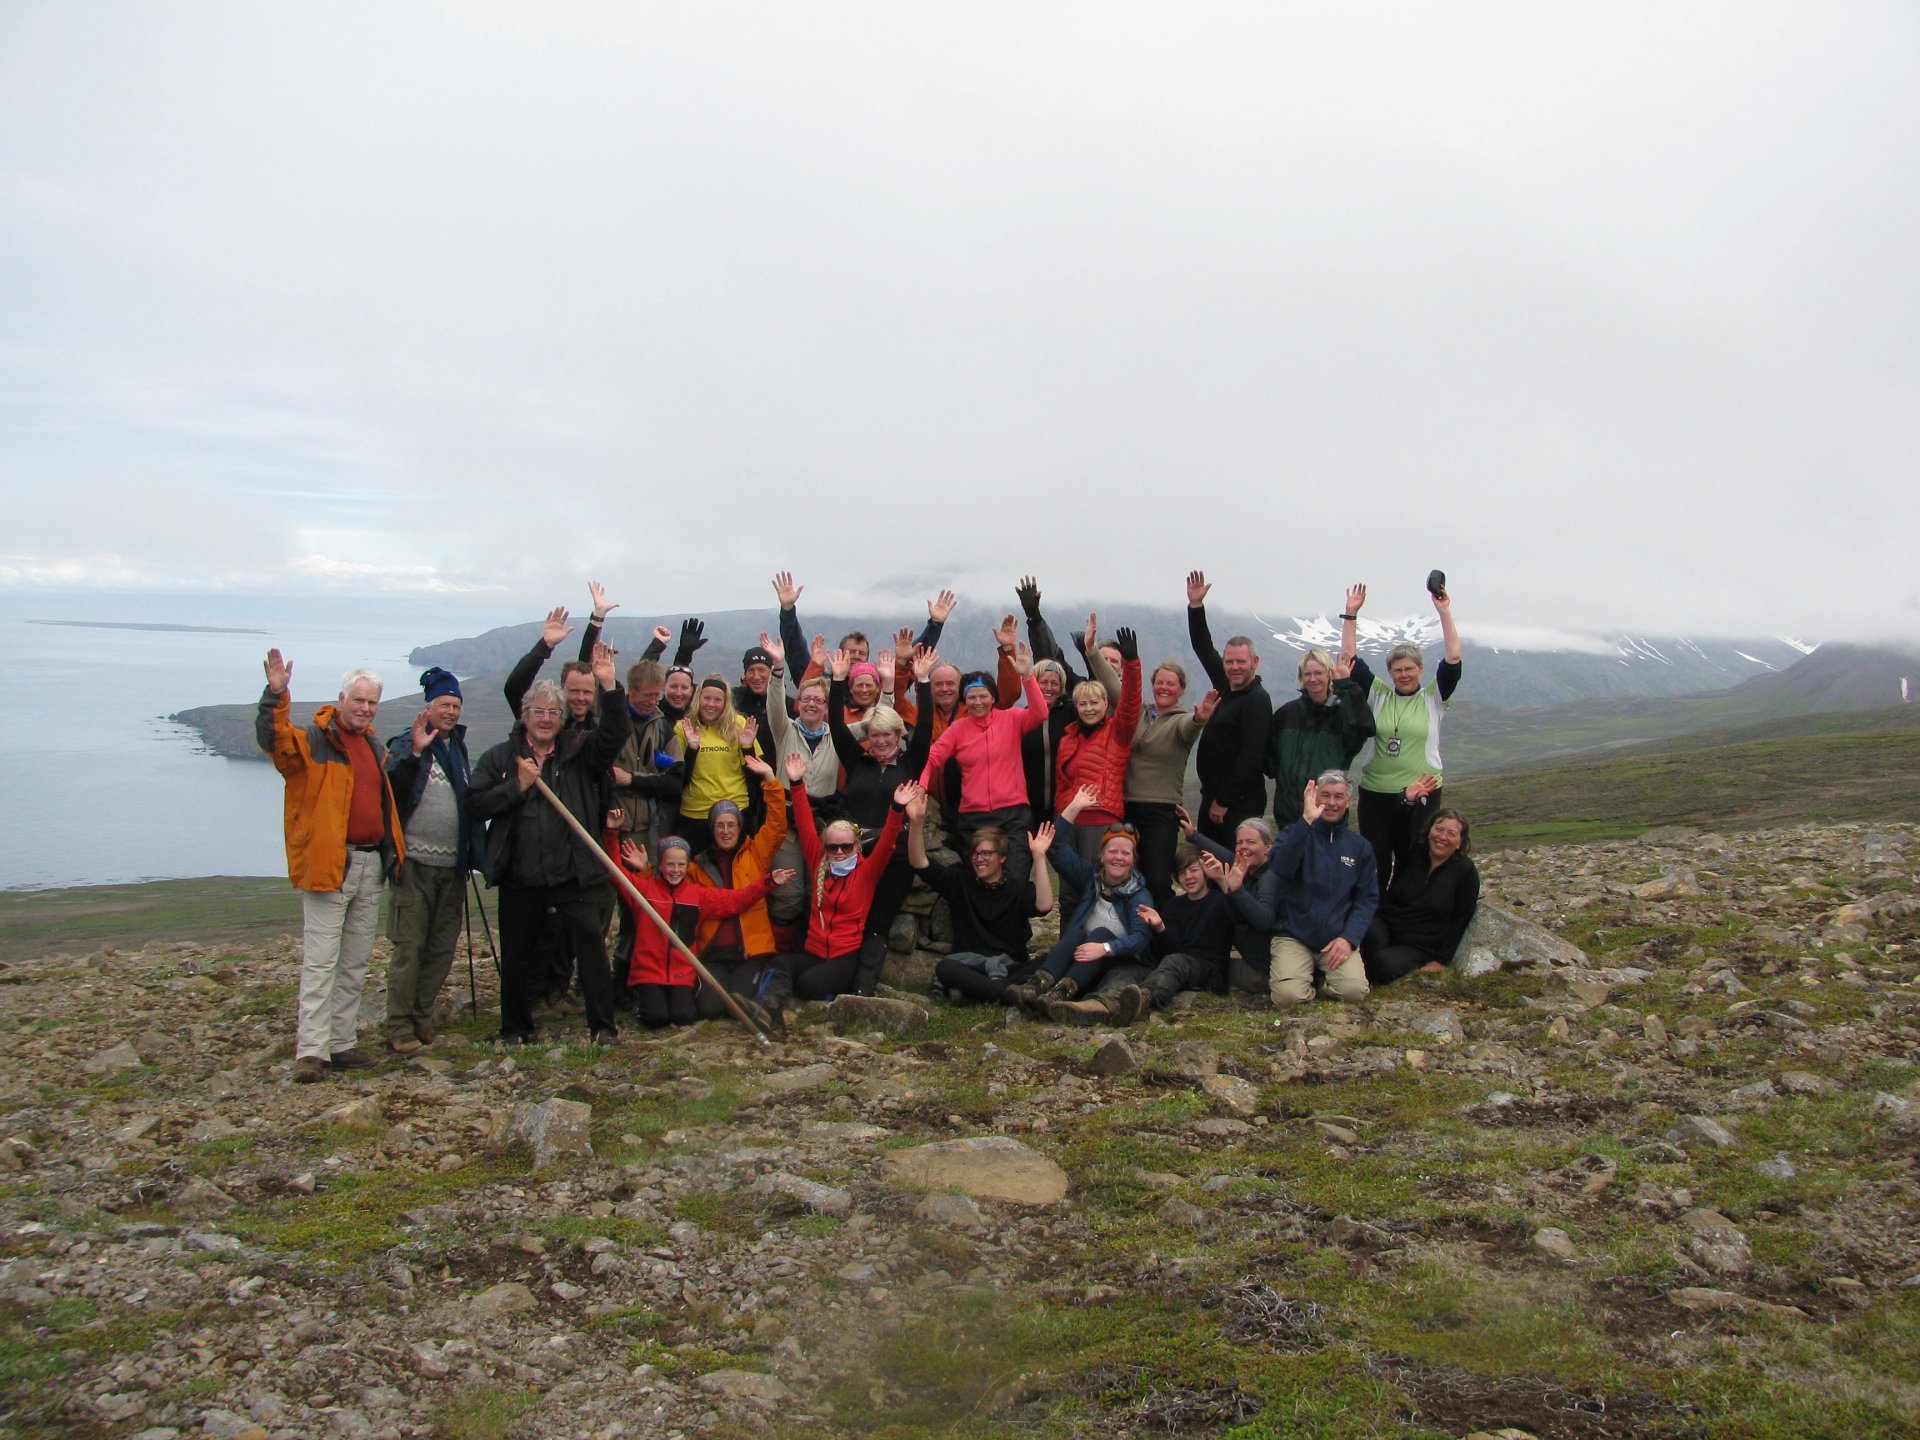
[404,1044]
[423,1032]
[769,1021]
[309,1069]
[606,1035]
[352,1060]
[1130,1004]
[1027,994]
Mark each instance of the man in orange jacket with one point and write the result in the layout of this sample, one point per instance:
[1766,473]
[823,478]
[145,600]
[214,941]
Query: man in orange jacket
[343,840]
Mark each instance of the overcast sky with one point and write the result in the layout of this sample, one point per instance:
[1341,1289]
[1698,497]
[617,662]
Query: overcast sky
[1608,310]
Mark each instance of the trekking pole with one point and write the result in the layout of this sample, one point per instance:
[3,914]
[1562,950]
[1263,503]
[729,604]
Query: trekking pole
[633,893]
[486,929]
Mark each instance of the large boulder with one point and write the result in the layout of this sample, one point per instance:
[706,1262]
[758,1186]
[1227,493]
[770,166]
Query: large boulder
[1499,938]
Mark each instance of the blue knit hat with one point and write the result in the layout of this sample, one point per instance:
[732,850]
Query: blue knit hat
[437,682]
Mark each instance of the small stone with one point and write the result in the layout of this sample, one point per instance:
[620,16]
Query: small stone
[1717,1244]
[857,1014]
[137,1128]
[562,1290]
[115,1060]
[208,1240]
[1345,1230]
[1802,1082]
[1893,1104]
[821,1199]
[1339,1134]
[559,1130]
[992,1167]
[1194,1061]
[1442,1025]
[950,1211]
[1778,1168]
[1115,1057]
[1557,1029]
[1231,1094]
[1758,1090]
[364,1115]
[1703,1129]
[1179,1212]
[505,1298]
[1417,1060]
[1220,1127]
[748,1386]
[1655,1029]
[217,1127]
[1554,1243]
[798,1080]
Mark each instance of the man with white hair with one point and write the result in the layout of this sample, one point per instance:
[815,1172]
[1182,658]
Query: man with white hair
[343,840]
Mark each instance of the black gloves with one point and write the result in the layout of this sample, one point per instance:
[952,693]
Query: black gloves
[1028,590]
[692,637]
[1127,643]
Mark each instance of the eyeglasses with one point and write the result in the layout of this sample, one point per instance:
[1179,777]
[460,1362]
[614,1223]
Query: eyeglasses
[542,712]
[986,854]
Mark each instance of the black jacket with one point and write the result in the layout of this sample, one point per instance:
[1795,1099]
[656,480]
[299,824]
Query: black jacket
[1230,759]
[527,843]
[1430,908]
[407,773]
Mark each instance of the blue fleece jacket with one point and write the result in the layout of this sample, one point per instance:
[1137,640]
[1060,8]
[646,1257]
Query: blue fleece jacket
[1330,888]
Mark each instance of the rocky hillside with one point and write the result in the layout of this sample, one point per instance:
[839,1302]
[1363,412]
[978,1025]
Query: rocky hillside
[1657,1176]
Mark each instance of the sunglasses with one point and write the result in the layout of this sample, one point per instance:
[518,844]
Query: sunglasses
[840,847]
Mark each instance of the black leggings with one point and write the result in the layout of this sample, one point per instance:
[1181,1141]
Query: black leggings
[659,1005]
[757,979]
[1395,829]
[818,979]
[976,985]
[1159,838]
[1386,962]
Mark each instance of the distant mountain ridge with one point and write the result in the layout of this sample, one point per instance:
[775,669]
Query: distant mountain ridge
[1504,677]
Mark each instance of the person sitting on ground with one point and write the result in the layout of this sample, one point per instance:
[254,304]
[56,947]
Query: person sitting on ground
[1426,911]
[739,950]
[1106,927]
[842,885]
[992,910]
[1252,888]
[1322,728]
[647,780]
[659,976]
[713,741]
[1192,942]
[1328,896]
[984,743]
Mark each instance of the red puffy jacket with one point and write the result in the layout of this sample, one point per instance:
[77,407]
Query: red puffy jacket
[1100,759]
[840,903]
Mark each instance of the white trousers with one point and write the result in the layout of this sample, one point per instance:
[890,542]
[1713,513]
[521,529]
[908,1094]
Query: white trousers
[340,926]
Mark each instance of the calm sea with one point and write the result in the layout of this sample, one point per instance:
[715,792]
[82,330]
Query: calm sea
[98,787]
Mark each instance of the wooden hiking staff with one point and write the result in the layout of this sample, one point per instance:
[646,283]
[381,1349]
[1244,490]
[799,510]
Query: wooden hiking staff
[633,893]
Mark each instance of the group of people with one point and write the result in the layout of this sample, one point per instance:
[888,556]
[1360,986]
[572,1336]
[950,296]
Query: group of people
[776,835]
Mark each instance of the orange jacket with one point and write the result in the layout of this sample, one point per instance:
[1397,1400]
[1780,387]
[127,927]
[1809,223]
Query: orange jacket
[319,778]
[752,863]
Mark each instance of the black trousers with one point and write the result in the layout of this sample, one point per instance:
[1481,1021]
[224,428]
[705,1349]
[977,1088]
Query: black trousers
[580,913]
[659,1005]
[1159,838]
[815,978]
[1386,962]
[760,979]
[1223,831]
[1395,829]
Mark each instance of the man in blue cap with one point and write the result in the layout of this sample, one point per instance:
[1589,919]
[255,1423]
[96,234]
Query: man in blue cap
[428,768]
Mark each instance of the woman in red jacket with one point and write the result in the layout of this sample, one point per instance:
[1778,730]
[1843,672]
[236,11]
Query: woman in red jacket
[1094,751]
[662,980]
[841,890]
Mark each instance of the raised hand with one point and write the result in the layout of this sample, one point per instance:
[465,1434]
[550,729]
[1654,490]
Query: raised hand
[1152,917]
[1197,588]
[796,766]
[1083,797]
[1007,634]
[279,672]
[556,629]
[1203,712]
[1091,633]
[1423,787]
[777,878]
[773,647]
[785,591]
[837,663]
[817,652]
[883,662]
[1343,668]
[690,731]
[1356,597]
[1128,644]
[1041,840]
[1213,865]
[601,607]
[911,798]
[692,635]
[1234,878]
[924,660]
[603,672]
[941,606]
[663,636]
[1027,592]
[1181,814]
[749,730]
[1443,602]
[632,855]
[1310,807]
[422,731]
[903,640]
[1023,659]
[616,817]
[754,765]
